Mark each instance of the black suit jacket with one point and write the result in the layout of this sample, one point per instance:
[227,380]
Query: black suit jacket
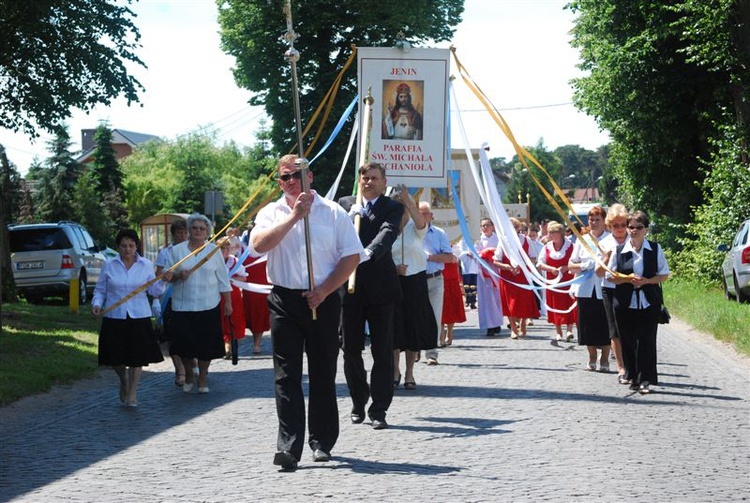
[377,280]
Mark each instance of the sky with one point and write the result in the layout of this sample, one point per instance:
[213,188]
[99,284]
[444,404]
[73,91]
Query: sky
[517,51]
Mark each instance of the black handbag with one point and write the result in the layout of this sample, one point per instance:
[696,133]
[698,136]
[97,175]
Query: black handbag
[664,315]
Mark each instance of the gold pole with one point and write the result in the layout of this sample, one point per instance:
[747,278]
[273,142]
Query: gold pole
[364,155]
[292,55]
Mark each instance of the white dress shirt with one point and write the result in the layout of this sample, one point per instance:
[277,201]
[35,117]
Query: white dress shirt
[583,257]
[332,237]
[201,291]
[116,281]
[609,244]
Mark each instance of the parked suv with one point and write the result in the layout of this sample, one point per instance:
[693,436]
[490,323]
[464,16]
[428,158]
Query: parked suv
[735,270]
[46,257]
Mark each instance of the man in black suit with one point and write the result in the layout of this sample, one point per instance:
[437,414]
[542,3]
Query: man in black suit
[377,289]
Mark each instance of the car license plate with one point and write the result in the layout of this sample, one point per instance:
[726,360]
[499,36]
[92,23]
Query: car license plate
[25,266]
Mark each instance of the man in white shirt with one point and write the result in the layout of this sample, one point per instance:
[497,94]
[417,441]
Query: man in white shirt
[336,250]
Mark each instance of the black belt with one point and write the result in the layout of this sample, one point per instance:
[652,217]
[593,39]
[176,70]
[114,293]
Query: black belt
[434,274]
[287,290]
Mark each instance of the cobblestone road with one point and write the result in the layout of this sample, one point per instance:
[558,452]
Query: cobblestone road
[497,420]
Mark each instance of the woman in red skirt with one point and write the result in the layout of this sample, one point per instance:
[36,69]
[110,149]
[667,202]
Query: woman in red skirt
[236,322]
[453,302]
[554,260]
[519,303]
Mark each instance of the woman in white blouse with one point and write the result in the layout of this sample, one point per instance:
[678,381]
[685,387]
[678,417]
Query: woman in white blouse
[414,323]
[637,300]
[199,283]
[126,339]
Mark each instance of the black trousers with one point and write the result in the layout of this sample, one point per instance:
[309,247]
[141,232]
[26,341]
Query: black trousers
[292,332]
[637,328]
[470,288]
[380,321]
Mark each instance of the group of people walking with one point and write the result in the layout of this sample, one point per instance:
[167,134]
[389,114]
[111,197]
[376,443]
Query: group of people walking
[379,270]
[607,283]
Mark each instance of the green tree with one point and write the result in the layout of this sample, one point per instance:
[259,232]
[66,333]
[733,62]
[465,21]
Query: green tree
[88,208]
[645,87]
[106,175]
[521,182]
[166,177]
[105,170]
[56,55]
[58,177]
[250,32]
[726,191]
[9,189]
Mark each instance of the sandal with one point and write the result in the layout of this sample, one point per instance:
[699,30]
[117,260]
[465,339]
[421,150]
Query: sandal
[396,382]
[411,385]
[179,379]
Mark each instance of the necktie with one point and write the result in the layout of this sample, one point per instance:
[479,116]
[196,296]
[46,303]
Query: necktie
[369,207]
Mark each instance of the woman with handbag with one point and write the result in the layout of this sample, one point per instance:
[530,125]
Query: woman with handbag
[637,300]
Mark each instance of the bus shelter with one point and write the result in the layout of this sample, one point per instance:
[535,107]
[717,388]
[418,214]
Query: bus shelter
[155,232]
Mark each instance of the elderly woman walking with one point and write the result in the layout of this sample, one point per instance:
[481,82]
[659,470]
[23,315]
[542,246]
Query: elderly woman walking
[200,282]
[638,300]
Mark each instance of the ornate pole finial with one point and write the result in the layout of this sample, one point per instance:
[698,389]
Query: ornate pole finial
[292,56]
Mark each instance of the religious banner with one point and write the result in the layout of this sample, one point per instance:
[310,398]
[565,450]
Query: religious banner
[409,113]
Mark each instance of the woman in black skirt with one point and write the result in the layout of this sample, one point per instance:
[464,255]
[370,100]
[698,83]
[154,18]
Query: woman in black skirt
[414,325]
[593,331]
[200,280]
[126,339]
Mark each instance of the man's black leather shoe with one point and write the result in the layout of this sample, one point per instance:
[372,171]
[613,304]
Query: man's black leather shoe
[357,416]
[379,424]
[321,456]
[286,461]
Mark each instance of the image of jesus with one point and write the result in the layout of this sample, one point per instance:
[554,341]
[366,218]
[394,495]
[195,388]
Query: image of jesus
[402,121]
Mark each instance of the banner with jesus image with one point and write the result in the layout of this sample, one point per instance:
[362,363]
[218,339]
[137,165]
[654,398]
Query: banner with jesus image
[409,114]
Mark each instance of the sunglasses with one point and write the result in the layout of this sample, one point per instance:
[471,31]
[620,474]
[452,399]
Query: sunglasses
[297,175]
[636,227]
[619,226]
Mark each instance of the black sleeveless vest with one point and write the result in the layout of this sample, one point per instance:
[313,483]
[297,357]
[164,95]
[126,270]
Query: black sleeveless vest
[624,291]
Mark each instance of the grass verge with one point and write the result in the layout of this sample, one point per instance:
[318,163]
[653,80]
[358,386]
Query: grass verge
[44,345]
[708,311]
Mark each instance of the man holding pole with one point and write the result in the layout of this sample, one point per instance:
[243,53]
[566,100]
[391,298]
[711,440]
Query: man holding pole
[376,290]
[279,232]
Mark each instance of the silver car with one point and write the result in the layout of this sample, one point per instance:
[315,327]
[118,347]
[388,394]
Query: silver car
[735,270]
[46,257]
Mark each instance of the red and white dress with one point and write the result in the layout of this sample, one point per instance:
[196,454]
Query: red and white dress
[560,309]
[453,301]
[257,315]
[237,319]
[518,302]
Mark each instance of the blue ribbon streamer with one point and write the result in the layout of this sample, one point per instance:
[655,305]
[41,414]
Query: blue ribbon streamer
[342,120]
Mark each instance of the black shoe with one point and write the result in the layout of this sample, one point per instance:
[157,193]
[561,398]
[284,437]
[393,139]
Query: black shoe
[286,461]
[379,424]
[321,456]
[490,332]
[496,330]
[357,416]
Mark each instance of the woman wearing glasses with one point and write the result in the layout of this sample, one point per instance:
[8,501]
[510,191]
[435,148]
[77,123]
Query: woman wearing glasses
[637,300]
[199,283]
[617,222]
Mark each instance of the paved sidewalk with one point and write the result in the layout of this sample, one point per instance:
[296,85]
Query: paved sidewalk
[497,420]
